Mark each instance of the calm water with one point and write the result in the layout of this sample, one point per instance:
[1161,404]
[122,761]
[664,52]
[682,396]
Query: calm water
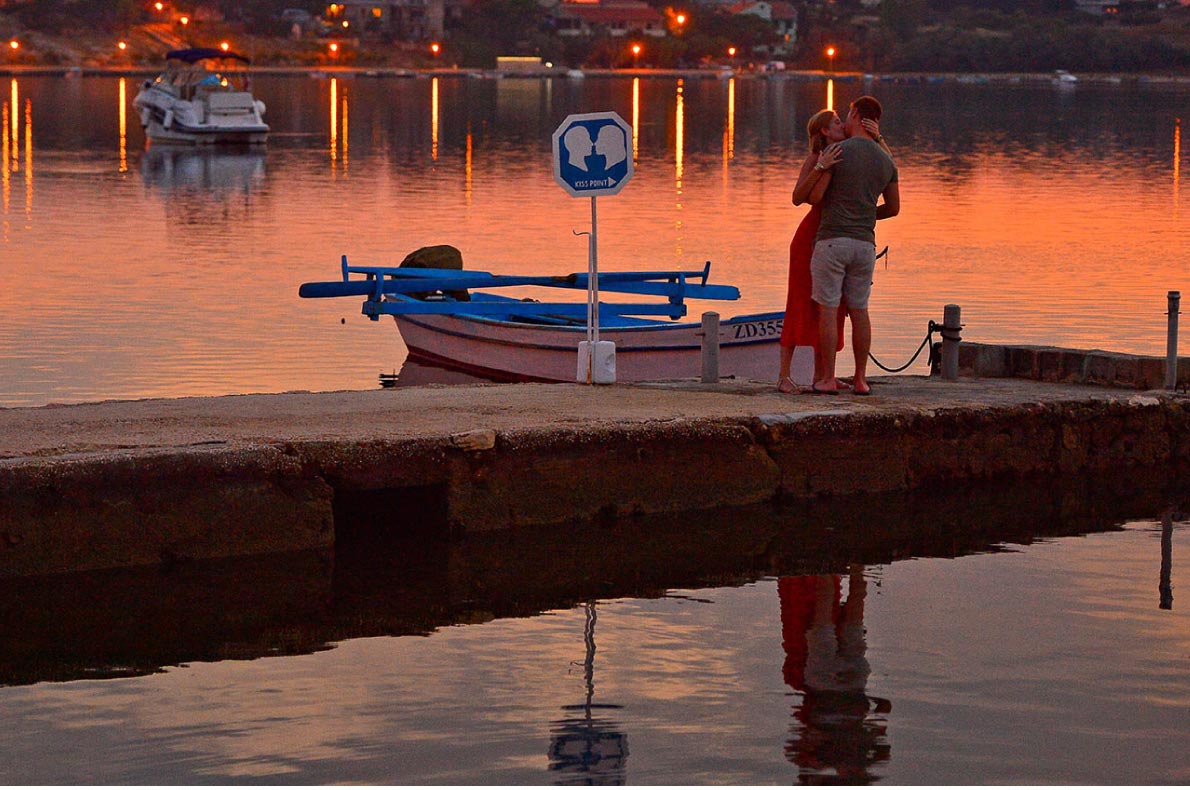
[1050,215]
[1043,639]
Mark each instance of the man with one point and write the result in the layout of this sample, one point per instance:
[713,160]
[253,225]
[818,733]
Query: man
[845,247]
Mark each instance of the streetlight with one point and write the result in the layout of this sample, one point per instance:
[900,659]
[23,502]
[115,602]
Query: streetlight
[123,45]
[159,6]
[435,48]
[224,46]
[635,54]
[830,58]
[334,48]
[14,45]
[731,52]
[185,20]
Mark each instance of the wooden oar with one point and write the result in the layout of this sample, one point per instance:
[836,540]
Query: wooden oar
[671,284]
[510,309]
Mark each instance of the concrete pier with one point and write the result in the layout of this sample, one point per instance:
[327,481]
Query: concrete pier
[124,484]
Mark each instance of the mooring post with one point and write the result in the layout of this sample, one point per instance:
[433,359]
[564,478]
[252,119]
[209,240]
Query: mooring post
[710,348]
[952,328]
[1171,343]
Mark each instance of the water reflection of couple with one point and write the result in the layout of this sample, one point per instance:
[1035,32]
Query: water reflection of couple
[836,735]
[849,168]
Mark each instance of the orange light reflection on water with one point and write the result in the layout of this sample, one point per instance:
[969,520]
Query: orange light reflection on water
[5,167]
[729,129]
[14,104]
[28,160]
[635,119]
[1177,165]
[467,171]
[123,125]
[679,135]
[830,94]
[334,120]
[434,119]
[679,152]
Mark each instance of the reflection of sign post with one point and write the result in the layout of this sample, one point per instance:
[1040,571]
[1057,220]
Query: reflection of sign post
[593,157]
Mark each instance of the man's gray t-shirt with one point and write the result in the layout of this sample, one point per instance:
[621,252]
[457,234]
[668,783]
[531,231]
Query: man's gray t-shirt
[857,181]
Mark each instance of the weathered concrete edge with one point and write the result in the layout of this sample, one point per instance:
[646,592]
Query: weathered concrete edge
[115,510]
[1065,365]
[110,510]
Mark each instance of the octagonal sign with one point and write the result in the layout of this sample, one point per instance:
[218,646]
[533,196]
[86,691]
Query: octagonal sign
[593,154]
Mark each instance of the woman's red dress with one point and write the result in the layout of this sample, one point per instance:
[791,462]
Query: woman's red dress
[801,312]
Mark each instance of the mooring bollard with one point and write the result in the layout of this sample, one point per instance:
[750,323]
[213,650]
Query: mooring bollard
[952,328]
[710,348]
[1171,343]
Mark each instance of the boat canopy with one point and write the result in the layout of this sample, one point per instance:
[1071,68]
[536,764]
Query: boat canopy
[196,54]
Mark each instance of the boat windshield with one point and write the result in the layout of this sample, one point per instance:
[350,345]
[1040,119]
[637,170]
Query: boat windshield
[210,75]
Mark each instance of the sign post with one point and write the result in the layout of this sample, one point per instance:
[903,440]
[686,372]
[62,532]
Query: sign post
[592,158]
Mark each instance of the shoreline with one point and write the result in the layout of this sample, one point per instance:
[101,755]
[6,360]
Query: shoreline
[963,78]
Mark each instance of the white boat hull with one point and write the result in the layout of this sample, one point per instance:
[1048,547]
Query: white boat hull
[748,348]
[217,119]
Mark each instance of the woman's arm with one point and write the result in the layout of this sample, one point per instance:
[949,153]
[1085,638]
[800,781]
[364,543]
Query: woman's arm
[819,190]
[815,176]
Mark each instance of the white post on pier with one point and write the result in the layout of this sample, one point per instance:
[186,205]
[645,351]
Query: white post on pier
[1171,342]
[952,328]
[593,157]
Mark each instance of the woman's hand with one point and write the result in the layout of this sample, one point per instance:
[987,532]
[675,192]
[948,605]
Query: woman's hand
[871,127]
[830,156]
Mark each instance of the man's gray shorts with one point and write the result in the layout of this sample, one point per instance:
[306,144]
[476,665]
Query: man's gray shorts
[842,267]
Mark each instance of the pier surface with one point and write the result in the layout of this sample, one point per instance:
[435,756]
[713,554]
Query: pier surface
[121,484]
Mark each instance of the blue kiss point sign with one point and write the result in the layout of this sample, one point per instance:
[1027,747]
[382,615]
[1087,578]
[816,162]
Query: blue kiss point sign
[593,154]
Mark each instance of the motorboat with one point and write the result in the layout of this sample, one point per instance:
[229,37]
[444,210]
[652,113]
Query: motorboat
[202,98]
[450,318]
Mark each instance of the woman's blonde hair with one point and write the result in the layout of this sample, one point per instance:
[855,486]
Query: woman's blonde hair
[818,122]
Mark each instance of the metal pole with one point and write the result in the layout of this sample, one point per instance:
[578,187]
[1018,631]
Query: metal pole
[710,348]
[593,282]
[952,328]
[1171,343]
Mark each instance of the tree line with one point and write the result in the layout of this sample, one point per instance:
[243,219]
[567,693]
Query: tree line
[896,35]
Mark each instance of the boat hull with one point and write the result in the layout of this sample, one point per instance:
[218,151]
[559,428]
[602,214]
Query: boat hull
[200,137]
[167,119]
[510,351]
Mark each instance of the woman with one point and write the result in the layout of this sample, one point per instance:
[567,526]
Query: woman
[825,131]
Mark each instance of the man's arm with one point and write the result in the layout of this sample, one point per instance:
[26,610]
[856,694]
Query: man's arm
[892,202]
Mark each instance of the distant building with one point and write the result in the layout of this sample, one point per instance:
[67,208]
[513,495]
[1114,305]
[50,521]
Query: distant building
[782,15]
[408,20]
[616,18]
[1098,7]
